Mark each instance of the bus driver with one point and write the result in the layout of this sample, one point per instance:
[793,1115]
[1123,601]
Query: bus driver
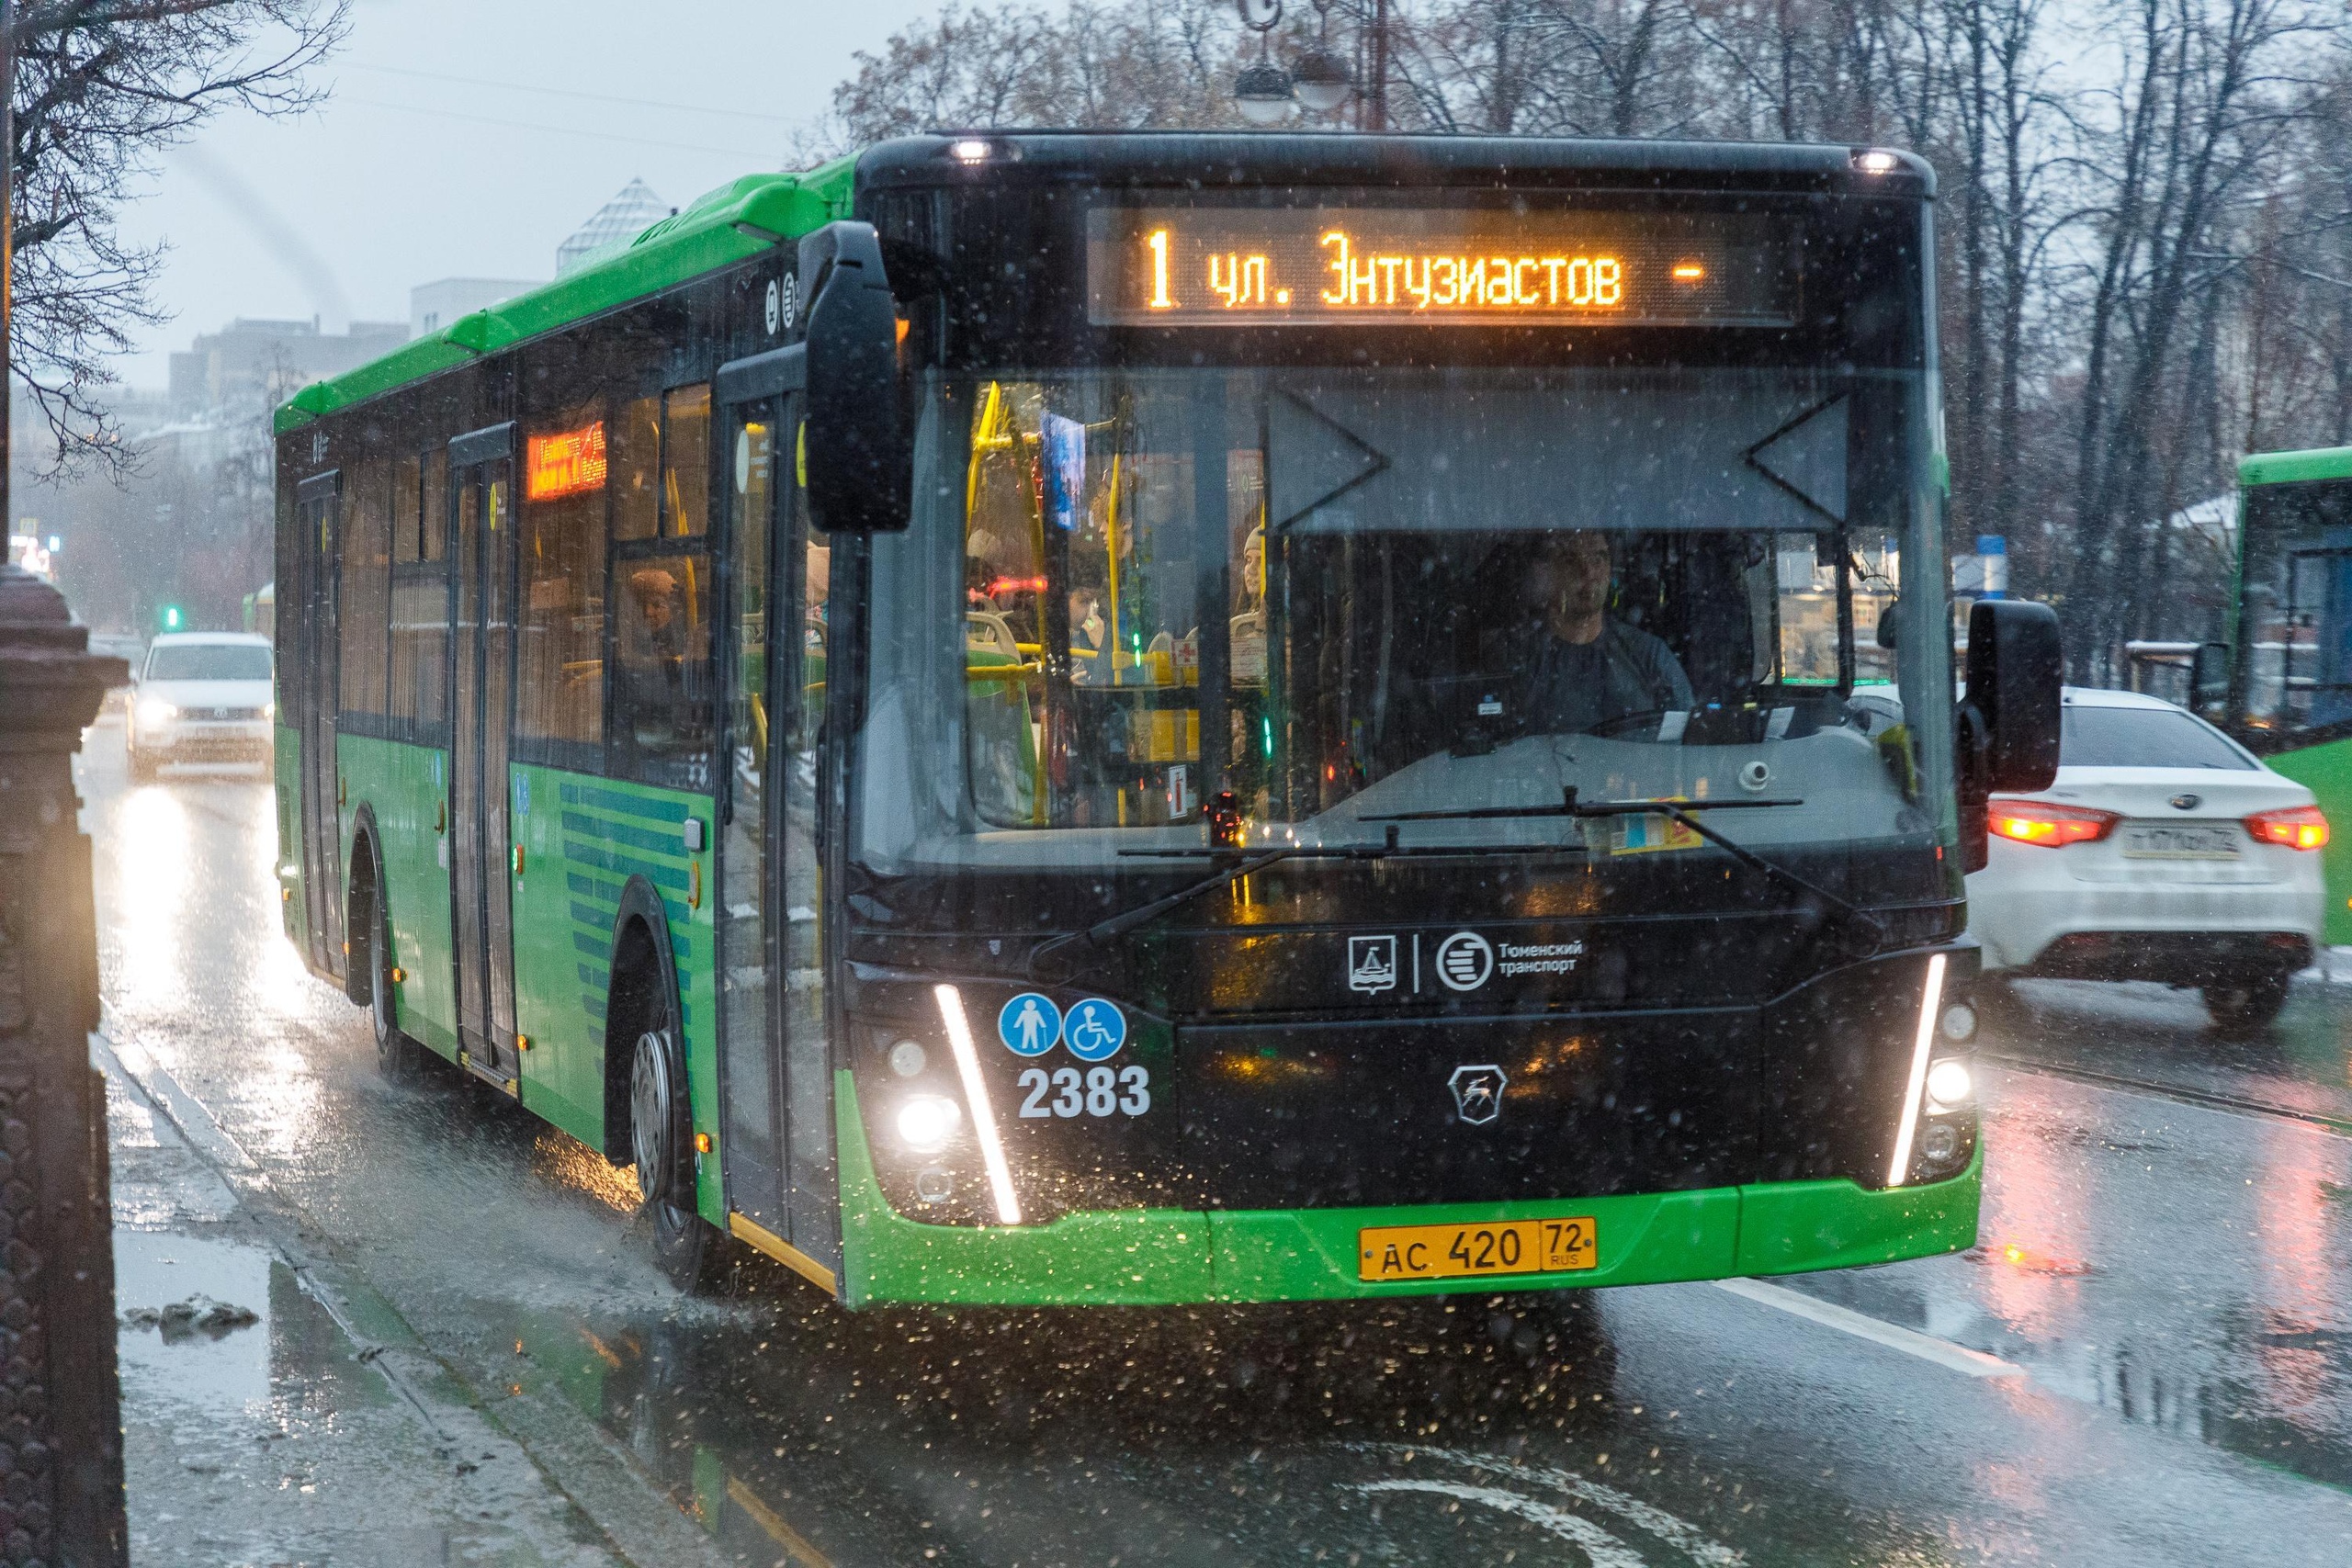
[1588,668]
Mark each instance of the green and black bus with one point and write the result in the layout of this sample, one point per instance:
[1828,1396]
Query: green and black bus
[2281,683]
[1039,717]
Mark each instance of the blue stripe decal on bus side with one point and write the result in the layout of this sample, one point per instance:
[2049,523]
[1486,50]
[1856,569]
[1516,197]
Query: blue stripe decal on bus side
[614,833]
[672,811]
[659,876]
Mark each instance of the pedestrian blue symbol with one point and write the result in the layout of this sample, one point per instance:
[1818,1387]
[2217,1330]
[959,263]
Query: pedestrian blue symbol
[1095,1030]
[1029,1024]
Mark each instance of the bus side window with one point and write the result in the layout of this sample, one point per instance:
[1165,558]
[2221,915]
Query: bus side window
[561,695]
[661,691]
[420,607]
[367,572]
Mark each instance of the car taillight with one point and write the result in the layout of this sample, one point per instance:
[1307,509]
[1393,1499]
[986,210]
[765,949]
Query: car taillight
[2051,826]
[2296,827]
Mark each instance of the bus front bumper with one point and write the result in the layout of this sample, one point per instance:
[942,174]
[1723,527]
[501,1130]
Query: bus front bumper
[1163,1256]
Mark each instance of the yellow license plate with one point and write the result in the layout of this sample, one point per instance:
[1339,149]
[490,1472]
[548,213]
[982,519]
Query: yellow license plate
[1457,1252]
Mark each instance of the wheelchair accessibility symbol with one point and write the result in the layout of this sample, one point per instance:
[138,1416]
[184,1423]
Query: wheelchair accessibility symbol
[1029,1024]
[1095,1030]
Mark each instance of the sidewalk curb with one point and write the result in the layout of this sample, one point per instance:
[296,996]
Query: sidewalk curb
[549,1434]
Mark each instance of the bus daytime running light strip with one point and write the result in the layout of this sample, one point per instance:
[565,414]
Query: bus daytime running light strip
[1917,1085]
[975,1092]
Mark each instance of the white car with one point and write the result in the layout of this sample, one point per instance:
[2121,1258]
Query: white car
[202,697]
[2163,851]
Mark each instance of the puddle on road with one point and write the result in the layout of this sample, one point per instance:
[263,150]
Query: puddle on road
[2219,1311]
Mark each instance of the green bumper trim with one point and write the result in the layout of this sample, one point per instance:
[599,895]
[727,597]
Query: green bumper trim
[1789,1227]
[1159,1257]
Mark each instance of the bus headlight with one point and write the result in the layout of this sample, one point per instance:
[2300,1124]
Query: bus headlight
[1939,1143]
[1949,1086]
[927,1121]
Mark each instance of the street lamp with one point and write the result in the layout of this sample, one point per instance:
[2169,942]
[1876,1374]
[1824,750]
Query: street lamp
[1262,92]
[1324,81]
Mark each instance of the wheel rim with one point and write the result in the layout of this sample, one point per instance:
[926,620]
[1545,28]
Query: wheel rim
[648,1121]
[379,992]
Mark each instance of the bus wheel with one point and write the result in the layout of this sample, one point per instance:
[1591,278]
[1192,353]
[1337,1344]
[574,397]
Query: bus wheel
[660,1135]
[2246,1004]
[398,1056]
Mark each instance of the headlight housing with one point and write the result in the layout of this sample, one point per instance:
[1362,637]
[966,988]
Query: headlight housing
[155,710]
[927,1121]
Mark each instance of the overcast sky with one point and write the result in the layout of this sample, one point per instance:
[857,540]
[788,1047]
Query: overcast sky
[466,138]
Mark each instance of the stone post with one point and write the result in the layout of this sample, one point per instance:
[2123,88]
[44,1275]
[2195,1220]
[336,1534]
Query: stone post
[61,1403]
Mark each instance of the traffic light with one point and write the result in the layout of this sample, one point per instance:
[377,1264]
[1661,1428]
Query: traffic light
[171,617]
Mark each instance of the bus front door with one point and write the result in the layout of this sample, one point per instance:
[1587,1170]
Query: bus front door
[775,1071]
[319,648]
[482,657]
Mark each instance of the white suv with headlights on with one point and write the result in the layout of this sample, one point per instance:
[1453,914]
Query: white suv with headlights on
[202,697]
[2163,851]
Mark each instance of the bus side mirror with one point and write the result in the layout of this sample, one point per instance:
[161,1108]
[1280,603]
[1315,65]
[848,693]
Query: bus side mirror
[2209,680]
[2009,713]
[2014,670]
[860,477]
[1890,624]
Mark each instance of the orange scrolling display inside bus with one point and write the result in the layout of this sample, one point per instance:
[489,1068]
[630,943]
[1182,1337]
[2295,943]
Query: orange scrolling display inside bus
[567,462]
[1303,266]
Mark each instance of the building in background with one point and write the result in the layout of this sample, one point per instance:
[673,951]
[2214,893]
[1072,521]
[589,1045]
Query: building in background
[615,223]
[248,362]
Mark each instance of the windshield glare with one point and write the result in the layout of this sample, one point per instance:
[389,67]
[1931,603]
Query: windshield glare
[1347,595]
[209,661]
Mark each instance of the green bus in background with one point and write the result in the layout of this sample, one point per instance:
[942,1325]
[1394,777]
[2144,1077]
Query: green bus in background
[2282,683]
[1051,717]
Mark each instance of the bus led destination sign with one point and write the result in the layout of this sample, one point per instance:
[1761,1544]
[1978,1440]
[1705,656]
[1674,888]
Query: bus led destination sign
[1301,266]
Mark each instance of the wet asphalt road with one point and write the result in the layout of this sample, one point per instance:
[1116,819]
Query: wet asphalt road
[2147,1360]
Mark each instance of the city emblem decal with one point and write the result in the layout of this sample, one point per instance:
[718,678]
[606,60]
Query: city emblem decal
[1477,1093]
[1371,963]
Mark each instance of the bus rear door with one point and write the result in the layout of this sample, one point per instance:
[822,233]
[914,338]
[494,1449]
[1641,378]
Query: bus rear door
[318,647]
[481,857]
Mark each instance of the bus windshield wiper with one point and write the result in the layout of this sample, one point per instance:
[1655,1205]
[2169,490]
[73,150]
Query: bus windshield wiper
[1683,811]
[1247,864]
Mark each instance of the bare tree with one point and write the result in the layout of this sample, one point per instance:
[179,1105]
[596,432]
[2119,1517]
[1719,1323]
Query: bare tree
[103,88]
[2144,216]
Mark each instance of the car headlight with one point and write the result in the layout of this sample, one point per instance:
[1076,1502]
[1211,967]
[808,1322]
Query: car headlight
[155,710]
[927,1121]
[269,710]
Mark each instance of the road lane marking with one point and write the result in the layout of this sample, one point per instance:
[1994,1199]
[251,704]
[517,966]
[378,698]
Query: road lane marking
[1605,1550]
[1861,1326]
[2203,1099]
[1684,1537]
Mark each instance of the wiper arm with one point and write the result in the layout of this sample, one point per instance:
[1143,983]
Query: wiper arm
[1683,811]
[1119,925]
[1571,807]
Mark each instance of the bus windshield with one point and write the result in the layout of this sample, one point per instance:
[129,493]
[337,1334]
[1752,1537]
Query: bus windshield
[1348,595]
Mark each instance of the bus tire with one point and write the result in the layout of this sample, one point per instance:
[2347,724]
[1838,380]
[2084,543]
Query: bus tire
[398,1055]
[661,1142]
[2248,1004]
